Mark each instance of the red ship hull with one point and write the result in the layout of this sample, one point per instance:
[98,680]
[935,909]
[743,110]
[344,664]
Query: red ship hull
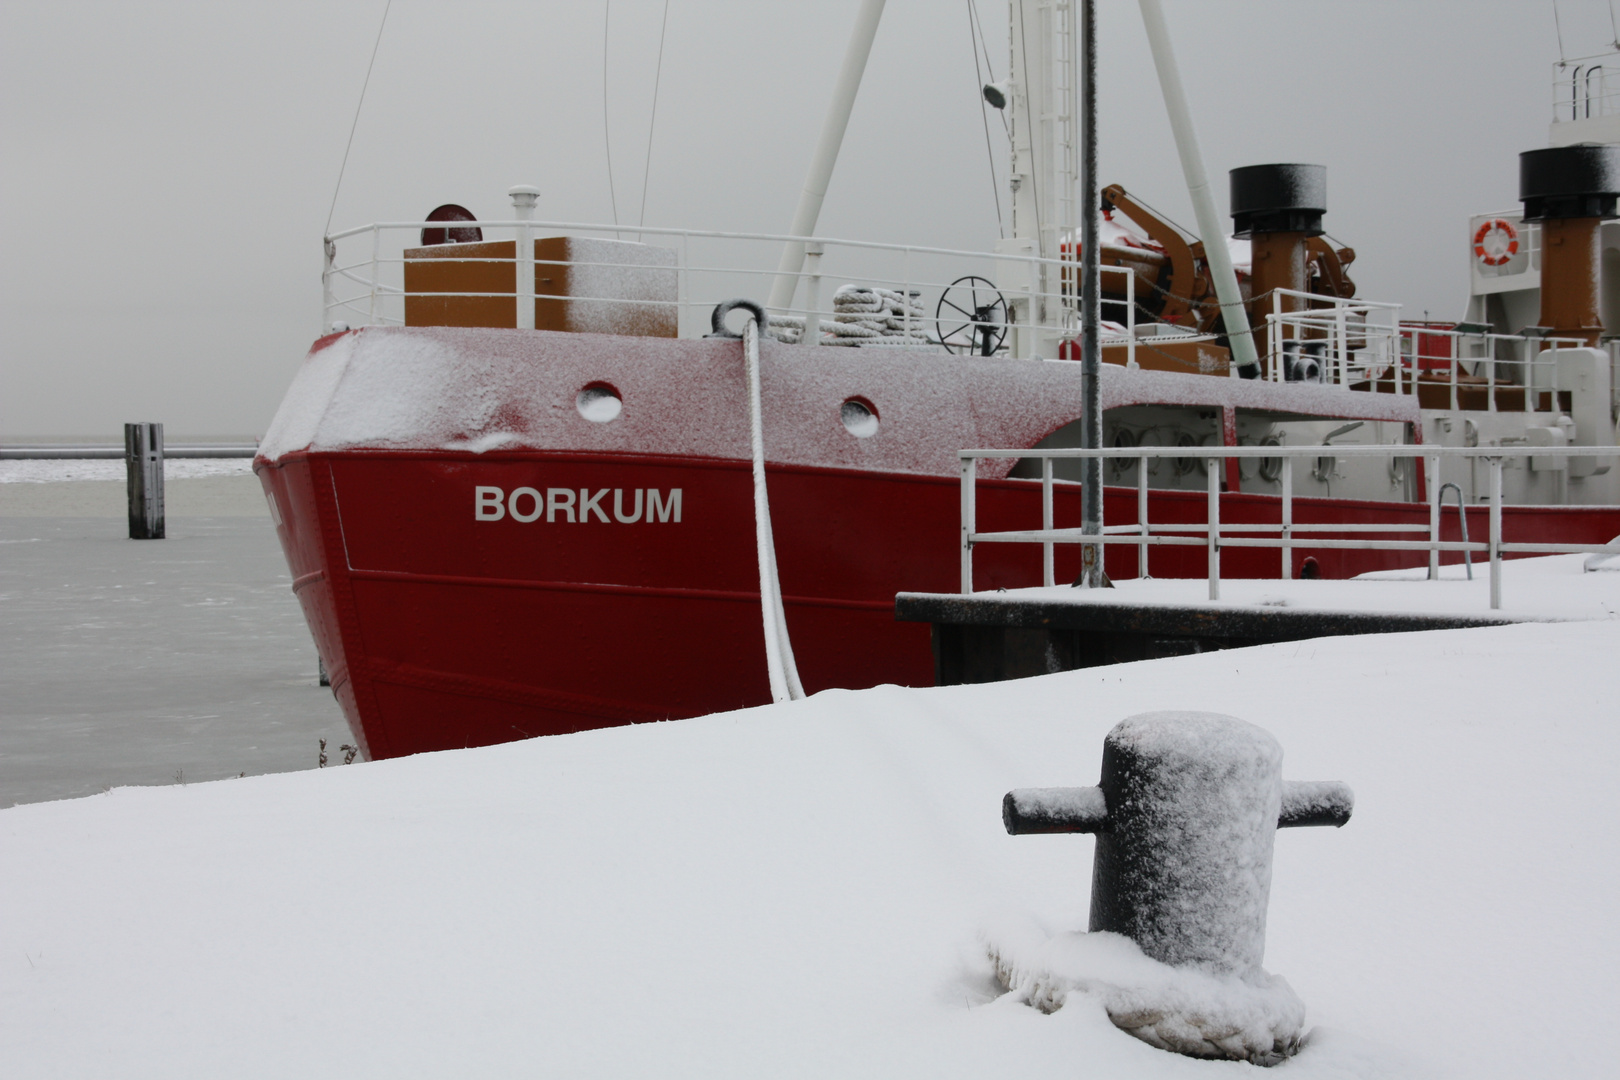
[442,631]
[479,561]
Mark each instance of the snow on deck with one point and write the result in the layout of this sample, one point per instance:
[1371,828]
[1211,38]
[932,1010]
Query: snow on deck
[479,390]
[805,890]
[1550,587]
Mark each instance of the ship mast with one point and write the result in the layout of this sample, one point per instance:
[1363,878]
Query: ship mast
[1045,169]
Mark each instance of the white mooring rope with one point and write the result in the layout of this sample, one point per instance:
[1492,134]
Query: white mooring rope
[779,662]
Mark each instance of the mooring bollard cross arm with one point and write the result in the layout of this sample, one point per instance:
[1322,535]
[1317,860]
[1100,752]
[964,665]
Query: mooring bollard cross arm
[1054,810]
[1315,802]
[1033,811]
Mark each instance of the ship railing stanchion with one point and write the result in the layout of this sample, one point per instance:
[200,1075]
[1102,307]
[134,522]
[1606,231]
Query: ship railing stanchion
[812,314]
[1274,333]
[1340,341]
[330,251]
[1496,533]
[1214,541]
[1456,362]
[1554,368]
[523,200]
[1142,515]
[905,293]
[969,477]
[1287,545]
[1130,329]
[1431,476]
[371,303]
[1048,573]
[1490,371]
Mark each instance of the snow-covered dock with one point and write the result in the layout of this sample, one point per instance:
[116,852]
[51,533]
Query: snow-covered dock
[808,889]
[1015,633]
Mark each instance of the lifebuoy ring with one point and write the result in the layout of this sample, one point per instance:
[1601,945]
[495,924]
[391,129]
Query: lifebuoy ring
[1496,242]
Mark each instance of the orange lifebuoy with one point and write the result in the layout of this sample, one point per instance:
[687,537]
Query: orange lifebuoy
[1496,242]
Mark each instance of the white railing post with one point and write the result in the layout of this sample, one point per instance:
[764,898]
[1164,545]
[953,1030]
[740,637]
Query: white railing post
[905,296]
[1130,323]
[371,303]
[969,476]
[1048,570]
[1553,365]
[1395,363]
[1142,516]
[1274,334]
[330,250]
[523,200]
[1490,373]
[1431,484]
[1496,533]
[812,314]
[1287,518]
[1457,361]
[1340,340]
[1214,542]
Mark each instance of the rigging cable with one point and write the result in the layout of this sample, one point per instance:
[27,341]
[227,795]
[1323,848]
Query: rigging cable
[653,119]
[988,66]
[1559,28]
[356,122]
[1034,190]
[995,187]
[607,12]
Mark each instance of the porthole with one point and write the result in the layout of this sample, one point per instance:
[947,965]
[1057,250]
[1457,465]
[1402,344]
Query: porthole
[599,403]
[1185,465]
[860,417]
[1120,467]
[1271,468]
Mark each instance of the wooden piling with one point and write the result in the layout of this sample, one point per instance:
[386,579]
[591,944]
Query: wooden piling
[143,460]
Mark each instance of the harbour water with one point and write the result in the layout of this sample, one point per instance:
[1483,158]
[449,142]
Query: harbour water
[140,662]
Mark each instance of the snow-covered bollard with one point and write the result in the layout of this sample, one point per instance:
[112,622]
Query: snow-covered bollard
[1185,816]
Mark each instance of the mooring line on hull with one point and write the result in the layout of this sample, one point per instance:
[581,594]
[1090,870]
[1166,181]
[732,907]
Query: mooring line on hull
[780,666]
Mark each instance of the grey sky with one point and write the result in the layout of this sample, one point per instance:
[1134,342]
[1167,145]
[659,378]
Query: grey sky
[168,166]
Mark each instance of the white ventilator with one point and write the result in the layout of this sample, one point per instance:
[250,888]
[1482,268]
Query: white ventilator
[779,663]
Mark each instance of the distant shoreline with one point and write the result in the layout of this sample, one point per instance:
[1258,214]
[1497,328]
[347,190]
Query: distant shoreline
[232,495]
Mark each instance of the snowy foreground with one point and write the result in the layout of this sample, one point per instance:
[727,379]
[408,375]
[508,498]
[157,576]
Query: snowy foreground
[807,890]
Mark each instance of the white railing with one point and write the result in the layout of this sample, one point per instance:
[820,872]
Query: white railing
[1358,341]
[1353,346]
[1530,362]
[1213,534]
[1583,88]
[364,281]
[1361,341]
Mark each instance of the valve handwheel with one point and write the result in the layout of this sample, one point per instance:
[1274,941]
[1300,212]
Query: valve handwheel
[977,318]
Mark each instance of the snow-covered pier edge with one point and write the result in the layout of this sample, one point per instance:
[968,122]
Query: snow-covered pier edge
[808,889]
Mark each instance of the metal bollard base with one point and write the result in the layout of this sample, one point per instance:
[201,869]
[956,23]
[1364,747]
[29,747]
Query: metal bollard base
[1256,1017]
